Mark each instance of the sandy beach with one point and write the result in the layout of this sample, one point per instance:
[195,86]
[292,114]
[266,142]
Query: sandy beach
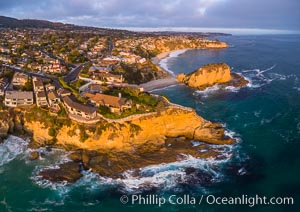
[159,57]
[160,83]
[165,82]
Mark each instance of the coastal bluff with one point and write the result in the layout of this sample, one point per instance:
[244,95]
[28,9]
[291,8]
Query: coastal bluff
[128,135]
[121,136]
[211,74]
[110,148]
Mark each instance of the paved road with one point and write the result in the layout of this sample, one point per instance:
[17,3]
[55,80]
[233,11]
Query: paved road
[110,47]
[53,78]
[72,75]
[32,74]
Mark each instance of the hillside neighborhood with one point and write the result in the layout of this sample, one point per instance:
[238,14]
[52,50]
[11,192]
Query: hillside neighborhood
[87,75]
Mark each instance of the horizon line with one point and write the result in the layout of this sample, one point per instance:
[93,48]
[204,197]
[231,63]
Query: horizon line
[229,30]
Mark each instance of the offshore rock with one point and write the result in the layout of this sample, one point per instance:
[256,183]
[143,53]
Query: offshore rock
[211,74]
[69,172]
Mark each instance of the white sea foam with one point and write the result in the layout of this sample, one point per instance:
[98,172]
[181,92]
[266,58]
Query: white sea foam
[167,176]
[232,88]
[258,78]
[230,134]
[62,188]
[205,93]
[257,113]
[297,88]
[11,148]
[269,120]
[162,176]
[164,62]
[7,206]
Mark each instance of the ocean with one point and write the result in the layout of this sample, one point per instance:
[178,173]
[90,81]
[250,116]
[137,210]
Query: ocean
[264,117]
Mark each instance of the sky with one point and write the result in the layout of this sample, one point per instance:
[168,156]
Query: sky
[260,15]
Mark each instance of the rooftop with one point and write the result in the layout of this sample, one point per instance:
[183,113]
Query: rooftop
[78,106]
[19,95]
[107,99]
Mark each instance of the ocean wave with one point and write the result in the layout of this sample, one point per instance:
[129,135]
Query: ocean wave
[215,88]
[205,93]
[164,62]
[232,89]
[269,120]
[48,156]
[164,177]
[62,188]
[258,78]
[297,88]
[11,148]
[257,113]
[231,134]
[6,205]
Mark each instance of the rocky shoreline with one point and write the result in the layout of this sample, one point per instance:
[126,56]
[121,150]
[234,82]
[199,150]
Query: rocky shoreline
[118,148]
[114,164]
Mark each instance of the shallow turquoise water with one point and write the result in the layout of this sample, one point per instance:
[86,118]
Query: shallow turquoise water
[264,116]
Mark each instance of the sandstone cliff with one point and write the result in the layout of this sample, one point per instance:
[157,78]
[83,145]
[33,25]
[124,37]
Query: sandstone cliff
[211,74]
[128,135]
[165,46]
[109,149]
[154,129]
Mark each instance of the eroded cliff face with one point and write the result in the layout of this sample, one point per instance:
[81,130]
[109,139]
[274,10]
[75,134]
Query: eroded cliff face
[111,148]
[210,75]
[127,136]
[166,46]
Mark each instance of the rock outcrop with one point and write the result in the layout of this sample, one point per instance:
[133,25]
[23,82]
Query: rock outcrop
[110,148]
[121,136]
[211,74]
[163,45]
[128,135]
[68,172]
[4,127]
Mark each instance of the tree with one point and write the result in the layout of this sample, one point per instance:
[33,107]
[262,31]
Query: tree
[28,85]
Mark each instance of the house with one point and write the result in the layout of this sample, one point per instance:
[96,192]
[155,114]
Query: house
[50,87]
[38,85]
[18,98]
[63,92]
[107,77]
[78,109]
[101,69]
[143,60]
[115,104]
[95,88]
[3,85]
[53,97]
[41,99]
[19,79]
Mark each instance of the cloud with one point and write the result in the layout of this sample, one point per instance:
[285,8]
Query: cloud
[278,14]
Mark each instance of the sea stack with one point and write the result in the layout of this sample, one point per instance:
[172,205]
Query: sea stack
[211,74]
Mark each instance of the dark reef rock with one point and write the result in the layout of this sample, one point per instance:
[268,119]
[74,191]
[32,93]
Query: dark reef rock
[69,172]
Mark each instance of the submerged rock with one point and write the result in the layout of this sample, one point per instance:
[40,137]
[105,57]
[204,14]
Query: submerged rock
[196,176]
[69,172]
